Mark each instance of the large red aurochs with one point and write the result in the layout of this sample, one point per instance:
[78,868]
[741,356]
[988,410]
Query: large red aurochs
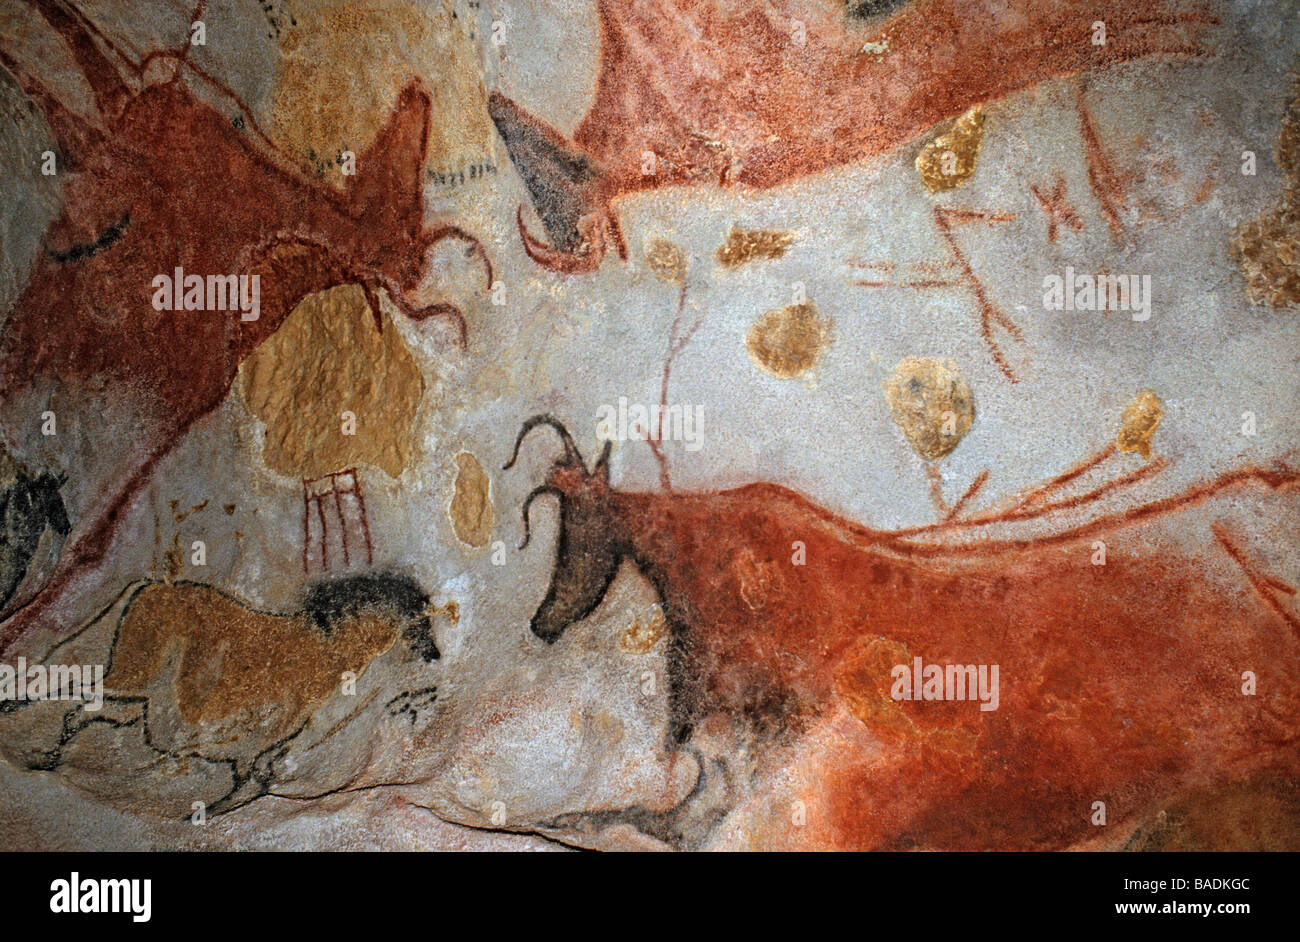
[1121,683]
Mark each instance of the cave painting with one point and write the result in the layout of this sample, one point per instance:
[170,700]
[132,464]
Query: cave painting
[87,313]
[1268,248]
[336,387]
[1126,675]
[30,506]
[723,94]
[922,568]
[203,676]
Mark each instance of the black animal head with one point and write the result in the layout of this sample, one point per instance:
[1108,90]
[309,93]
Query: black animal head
[28,506]
[329,601]
[46,499]
[591,542]
[869,9]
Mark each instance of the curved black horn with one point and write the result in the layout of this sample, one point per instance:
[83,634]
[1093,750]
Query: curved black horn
[571,453]
[528,503]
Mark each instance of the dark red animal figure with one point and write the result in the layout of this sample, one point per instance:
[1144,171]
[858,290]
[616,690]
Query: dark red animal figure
[759,94]
[165,180]
[1120,683]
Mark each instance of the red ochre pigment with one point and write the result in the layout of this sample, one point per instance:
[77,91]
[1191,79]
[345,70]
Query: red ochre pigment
[706,92]
[168,181]
[1119,683]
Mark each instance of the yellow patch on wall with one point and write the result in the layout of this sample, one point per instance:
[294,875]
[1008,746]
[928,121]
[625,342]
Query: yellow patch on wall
[666,260]
[949,160]
[471,503]
[862,683]
[932,405]
[747,245]
[328,358]
[788,342]
[1141,419]
[646,630]
[1268,248]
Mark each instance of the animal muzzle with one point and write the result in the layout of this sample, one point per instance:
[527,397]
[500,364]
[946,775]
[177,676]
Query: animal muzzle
[547,627]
